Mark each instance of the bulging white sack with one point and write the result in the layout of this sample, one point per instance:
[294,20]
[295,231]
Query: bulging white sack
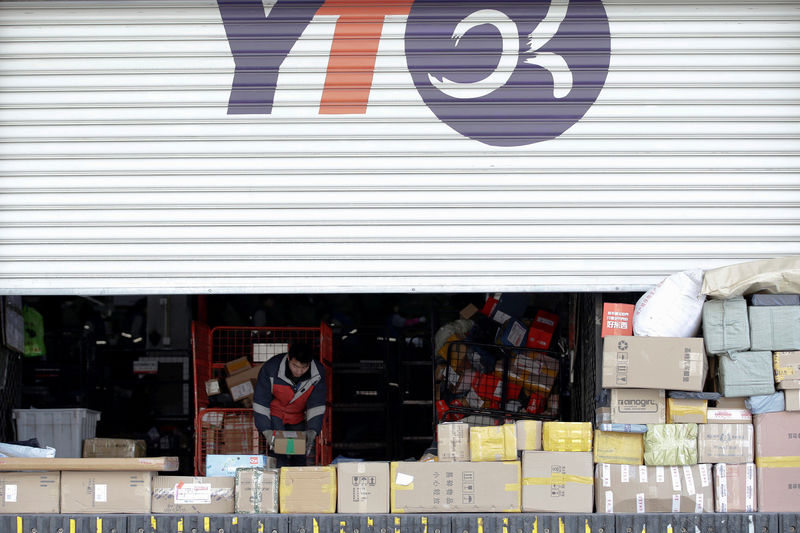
[673,308]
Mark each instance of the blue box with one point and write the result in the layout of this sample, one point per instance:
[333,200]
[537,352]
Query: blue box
[226,465]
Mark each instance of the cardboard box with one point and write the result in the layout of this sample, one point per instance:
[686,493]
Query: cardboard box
[308,489]
[638,406]
[567,436]
[687,411]
[786,365]
[778,461]
[453,441]
[617,319]
[213,387]
[493,443]
[455,487]
[654,363]
[256,490]
[186,494]
[792,399]
[237,365]
[529,435]
[730,403]
[725,443]
[226,465]
[618,448]
[653,489]
[728,416]
[242,384]
[97,447]
[735,488]
[602,415]
[30,492]
[670,444]
[789,384]
[468,312]
[557,482]
[363,487]
[541,331]
[290,442]
[106,492]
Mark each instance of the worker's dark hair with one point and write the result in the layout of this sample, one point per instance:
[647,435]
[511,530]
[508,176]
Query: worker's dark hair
[301,352]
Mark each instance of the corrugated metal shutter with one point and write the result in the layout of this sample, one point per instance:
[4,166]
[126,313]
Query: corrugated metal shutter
[123,172]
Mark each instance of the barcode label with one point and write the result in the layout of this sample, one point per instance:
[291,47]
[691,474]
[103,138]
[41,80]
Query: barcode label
[609,501]
[689,478]
[676,503]
[625,474]
[676,478]
[606,475]
[642,474]
[698,505]
[705,475]
[659,474]
[640,502]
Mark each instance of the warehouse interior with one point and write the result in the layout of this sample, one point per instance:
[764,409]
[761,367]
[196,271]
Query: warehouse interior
[130,358]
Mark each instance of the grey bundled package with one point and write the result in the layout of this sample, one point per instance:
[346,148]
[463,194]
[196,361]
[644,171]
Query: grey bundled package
[256,490]
[775,328]
[725,326]
[746,374]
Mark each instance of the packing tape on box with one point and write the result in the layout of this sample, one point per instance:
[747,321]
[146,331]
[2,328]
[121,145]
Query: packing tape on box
[513,487]
[788,461]
[675,409]
[558,479]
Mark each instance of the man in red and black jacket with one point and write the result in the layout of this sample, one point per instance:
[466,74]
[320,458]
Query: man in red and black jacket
[290,396]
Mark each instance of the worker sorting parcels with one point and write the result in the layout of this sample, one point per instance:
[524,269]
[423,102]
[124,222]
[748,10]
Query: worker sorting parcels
[290,396]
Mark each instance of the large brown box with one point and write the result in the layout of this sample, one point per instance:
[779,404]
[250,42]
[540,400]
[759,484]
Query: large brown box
[308,489]
[242,384]
[672,363]
[30,492]
[363,487]
[187,494]
[653,489]
[557,482]
[488,487]
[778,461]
[100,447]
[106,492]
[256,490]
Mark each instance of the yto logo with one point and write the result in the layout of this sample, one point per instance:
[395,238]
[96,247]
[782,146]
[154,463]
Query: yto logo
[506,73]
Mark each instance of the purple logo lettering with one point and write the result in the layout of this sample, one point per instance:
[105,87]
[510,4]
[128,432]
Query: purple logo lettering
[508,73]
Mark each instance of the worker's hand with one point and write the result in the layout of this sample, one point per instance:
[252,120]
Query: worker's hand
[271,441]
[311,435]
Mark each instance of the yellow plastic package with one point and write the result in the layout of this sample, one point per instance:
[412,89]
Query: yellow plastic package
[493,443]
[670,444]
[618,448]
[686,411]
[567,436]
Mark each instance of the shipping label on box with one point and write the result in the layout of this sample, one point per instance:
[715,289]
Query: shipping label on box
[256,490]
[687,411]
[363,487]
[653,489]
[242,384]
[30,492]
[453,441]
[725,443]
[557,482]
[226,465]
[777,438]
[654,363]
[618,448]
[187,494]
[786,365]
[308,489]
[735,488]
[106,492]
[638,406]
[617,319]
[455,487]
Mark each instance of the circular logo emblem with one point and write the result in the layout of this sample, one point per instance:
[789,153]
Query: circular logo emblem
[622,345]
[508,73]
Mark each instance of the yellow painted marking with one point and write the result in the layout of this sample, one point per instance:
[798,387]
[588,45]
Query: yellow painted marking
[369,521]
[587,528]
[480,524]
[505,524]
[71,525]
[152,523]
[206,524]
[560,525]
[180,525]
[644,528]
[396,524]
[260,525]
[19,524]
[234,521]
[536,525]
[99,525]
[669,528]
[342,523]
[316,525]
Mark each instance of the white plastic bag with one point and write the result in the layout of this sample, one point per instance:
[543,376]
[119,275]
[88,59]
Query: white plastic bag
[673,308]
[15,450]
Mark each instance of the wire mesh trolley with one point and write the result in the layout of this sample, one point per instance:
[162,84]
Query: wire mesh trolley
[232,430]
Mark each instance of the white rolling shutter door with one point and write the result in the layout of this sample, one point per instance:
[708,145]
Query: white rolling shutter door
[122,171]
